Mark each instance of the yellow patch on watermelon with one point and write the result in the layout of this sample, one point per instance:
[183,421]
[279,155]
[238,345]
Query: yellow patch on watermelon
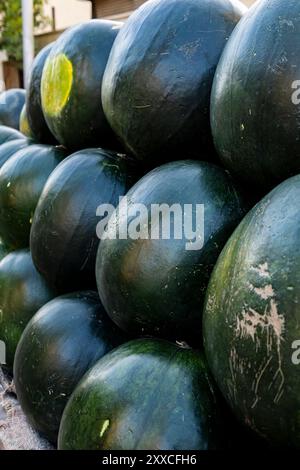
[24,124]
[57,84]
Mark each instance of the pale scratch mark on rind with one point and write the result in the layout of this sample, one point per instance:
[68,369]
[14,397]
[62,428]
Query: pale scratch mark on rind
[251,322]
[142,106]
[265,292]
[232,367]
[261,372]
[239,364]
[262,269]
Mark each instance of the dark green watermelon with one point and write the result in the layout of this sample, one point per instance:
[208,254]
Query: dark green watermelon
[35,114]
[22,292]
[156,285]
[146,394]
[11,104]
[252,317]
[8,149]
[157,84]
[8,133]
[61,342]
[22,179]
[24,124]
[255,104]
[64,241]
[71,85]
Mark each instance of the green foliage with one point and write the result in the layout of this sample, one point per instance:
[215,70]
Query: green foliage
[11,26]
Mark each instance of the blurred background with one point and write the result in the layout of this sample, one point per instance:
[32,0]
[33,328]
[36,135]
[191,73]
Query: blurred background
[51,18]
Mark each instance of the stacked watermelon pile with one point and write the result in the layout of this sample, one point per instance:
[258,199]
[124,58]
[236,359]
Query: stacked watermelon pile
[116,335]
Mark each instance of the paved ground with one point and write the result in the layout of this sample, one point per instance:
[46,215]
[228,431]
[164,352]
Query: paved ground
[15,432]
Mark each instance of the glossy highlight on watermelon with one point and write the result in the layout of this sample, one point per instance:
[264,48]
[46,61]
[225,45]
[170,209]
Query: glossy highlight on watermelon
[156,285]
[255,97]
[11,104]
[71,85]
[146,394]
[9,148]
[252,317]
[157,84]
[8,133]
[62,341]
[22,178]
[63,237]
[22,292]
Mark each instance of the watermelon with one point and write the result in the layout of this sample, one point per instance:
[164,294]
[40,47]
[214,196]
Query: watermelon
[71,85]
[8,133]
[22,292]
[9,148]
[252,317]
[146,394]
[24,124]
[35,114]
[153,280]
[255,99]
[22,179]
[157,84]
[63,240]
[61,342]
[11,104]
